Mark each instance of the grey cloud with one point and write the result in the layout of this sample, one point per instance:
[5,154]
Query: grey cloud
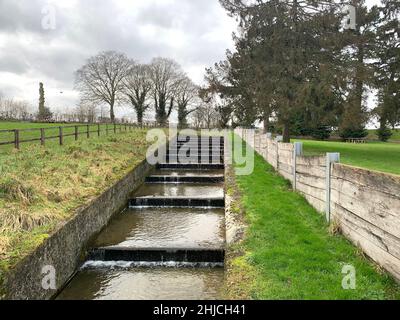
[92,26]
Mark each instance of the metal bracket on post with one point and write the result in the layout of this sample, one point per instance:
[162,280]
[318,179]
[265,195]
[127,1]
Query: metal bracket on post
[298,151]
[330,159]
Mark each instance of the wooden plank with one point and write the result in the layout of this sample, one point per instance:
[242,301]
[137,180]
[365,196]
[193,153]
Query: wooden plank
[288,147]
[316,203]
[383,182]
[311,191]
[380,238]
[312,161]
[380,212]
[311,170]
[381,257]
[286,168]
[316,182]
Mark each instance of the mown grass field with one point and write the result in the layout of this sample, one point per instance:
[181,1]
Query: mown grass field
[377,156]
[394,137]
[40,187]
[289,251]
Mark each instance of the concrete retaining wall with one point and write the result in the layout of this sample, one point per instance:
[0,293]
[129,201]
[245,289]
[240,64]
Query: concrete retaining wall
[365,204]
[66,248]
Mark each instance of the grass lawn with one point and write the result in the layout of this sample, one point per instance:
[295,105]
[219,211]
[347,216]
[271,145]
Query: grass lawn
[374,155]
[40,187]
[394,137]
[288,251]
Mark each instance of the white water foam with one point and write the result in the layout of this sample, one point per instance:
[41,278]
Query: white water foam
[129,265]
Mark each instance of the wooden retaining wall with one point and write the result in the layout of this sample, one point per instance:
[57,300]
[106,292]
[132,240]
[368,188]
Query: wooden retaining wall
[365,204]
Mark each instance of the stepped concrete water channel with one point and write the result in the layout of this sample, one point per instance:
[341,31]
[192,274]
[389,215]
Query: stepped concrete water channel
[170,241]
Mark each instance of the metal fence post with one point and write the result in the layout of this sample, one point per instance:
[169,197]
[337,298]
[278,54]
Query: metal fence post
[330,159]
[298,151]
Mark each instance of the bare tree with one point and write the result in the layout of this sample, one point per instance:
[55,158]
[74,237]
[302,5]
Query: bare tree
[101,79]
[188,100]
[205,117]
[137,87]
[165,75]
[86,112]
[11,109]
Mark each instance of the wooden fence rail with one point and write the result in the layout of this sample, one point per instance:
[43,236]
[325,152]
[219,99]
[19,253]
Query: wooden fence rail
[61,132]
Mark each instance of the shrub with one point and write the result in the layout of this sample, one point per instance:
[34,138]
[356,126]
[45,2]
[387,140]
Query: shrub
[384,134]
[358,133]
[321,133]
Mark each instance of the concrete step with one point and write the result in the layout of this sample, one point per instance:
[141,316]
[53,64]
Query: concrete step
[180,166]
[203,190]
[179,202]
[185,179]
[216,255]
[188,173]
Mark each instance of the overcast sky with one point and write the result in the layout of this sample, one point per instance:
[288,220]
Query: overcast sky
[196,33]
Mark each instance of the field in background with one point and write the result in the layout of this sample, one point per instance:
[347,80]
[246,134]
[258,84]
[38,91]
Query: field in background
[51,133]
[394,137]
[377,156]
[41,187]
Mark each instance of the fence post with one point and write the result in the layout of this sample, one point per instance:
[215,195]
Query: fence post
[88,131]
[76,133]
[61,136]
[98,129]
[115,128]
[106,129]
[16,139]
[42,137]
[268,137]
[298,151]
[330,159]
[278,139]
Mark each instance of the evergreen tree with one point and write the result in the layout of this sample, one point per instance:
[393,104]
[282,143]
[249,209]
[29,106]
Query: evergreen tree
[44,113]
[387,68]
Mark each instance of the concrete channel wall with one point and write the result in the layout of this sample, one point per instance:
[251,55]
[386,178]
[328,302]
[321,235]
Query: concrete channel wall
[365,204]
[65,250]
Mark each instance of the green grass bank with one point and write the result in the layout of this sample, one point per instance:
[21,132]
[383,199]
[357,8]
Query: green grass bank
[41,187]
[289,251]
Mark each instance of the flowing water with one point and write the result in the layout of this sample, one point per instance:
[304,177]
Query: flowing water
[145,284]
[140,239]
[165,228]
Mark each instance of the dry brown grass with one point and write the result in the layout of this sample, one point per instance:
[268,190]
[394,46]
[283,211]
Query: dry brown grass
[42,187]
